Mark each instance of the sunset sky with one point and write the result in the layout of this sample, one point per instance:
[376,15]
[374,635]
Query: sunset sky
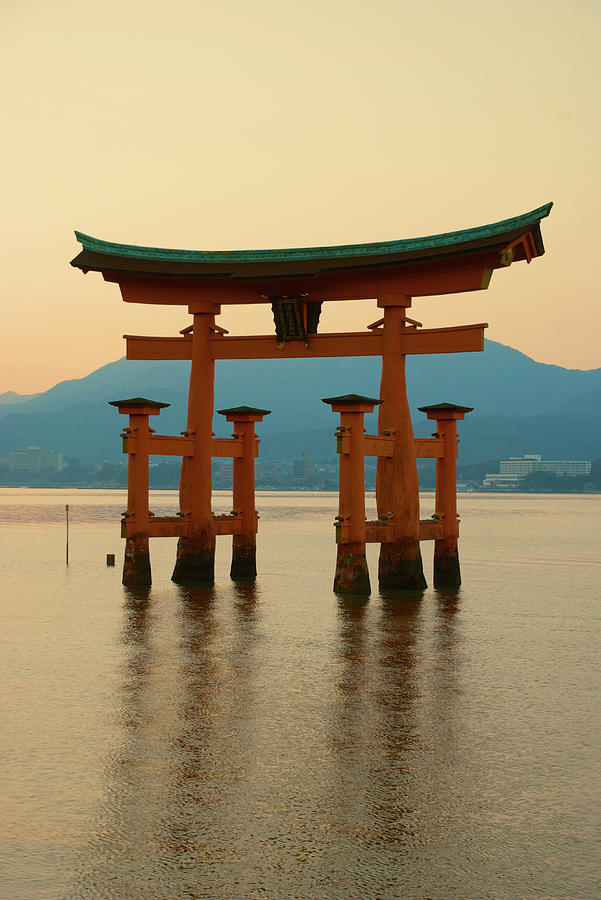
[273,124]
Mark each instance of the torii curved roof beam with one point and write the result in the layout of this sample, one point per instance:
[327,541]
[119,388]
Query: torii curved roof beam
[318,269]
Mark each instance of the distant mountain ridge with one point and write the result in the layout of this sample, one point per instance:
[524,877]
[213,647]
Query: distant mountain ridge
[9,398]
[520,405]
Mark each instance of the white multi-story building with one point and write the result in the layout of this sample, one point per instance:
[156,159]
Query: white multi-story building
[34,459]
[515,469]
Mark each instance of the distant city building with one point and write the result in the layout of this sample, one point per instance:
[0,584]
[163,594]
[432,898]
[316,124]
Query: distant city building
[499,482]
[301,468]
[34,459]
[514,470]
[223,474]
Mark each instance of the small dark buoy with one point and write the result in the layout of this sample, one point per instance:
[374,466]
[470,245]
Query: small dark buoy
[110,559]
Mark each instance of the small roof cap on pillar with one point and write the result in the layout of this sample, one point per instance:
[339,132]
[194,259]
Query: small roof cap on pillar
[139,404]
[445,410]
[244,414]
[245,411]
[350,400]
[351,403]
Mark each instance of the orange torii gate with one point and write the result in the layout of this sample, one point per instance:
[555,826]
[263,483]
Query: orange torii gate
[296,282]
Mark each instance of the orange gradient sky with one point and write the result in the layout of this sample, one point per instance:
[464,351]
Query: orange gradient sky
[273,124]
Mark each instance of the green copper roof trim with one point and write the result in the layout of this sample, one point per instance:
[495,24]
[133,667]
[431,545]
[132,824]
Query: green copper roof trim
[445,406]
[244,410]
[350,399]
[138,401]
[381,248]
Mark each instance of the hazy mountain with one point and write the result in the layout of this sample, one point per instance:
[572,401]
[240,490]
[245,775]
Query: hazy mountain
[481,437]
[520,405]
[9,398]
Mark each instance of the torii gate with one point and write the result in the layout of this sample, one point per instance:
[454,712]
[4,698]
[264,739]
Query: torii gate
[296,282]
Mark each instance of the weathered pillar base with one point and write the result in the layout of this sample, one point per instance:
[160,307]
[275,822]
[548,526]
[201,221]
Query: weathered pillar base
[244,560]
[447,572]
[352,574]
[195,560]
[136,562]
[400,567]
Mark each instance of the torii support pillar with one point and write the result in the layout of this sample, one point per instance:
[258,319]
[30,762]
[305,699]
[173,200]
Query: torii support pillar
[397,490]
[244,544]
[352,574]
[196,551]
[136,443]
[447,572]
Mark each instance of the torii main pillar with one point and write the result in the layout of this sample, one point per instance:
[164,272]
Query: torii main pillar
[397,490]
[196,552]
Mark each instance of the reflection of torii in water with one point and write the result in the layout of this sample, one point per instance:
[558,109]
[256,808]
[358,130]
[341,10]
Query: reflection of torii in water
[296,282]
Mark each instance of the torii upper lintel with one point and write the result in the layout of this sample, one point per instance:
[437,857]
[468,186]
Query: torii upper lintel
[436,264]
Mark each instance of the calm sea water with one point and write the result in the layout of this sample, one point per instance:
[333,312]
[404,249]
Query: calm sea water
[277,741]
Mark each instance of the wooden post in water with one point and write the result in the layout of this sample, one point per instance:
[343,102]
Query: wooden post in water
[67,543]
[244,543]
[352,574]
[447,572]
[136,525]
